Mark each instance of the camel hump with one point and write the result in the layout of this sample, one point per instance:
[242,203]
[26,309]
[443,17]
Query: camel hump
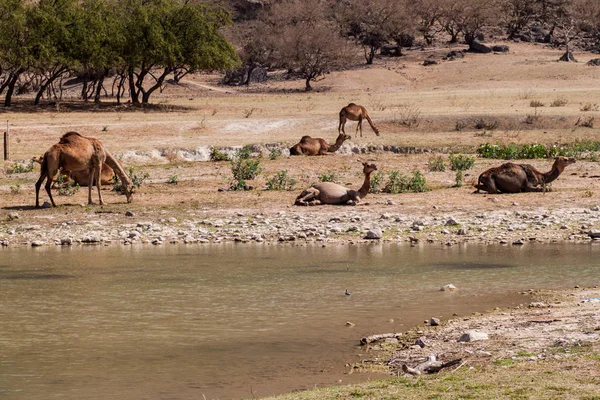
[351,105]
[68,136]
[305,137]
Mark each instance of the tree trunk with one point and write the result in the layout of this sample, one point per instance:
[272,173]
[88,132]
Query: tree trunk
[308,88]
[132,89]
[370,55]
[11,86]
[84,87]
[158,84]
[99,86]
[47,84]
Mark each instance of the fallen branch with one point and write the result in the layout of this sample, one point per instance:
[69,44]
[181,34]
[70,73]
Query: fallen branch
[375,338]
[431,366]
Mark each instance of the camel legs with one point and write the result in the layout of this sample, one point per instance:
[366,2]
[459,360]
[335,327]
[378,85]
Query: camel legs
[342,125]
[99,183]
[306,196]
[49,175]
[487,184]
[359,126]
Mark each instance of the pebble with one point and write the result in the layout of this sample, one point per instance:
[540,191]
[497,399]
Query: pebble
[473,336]
[374,234]
[449,288]
[434,321]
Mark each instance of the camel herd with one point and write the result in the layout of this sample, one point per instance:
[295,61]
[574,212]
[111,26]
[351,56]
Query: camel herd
[87,162]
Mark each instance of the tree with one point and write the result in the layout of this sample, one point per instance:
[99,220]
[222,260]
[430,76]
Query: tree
[568,20]
[517,14]
[161,36]
[297,36]
[427,13]
[373,23]
[15,55]
[467,17]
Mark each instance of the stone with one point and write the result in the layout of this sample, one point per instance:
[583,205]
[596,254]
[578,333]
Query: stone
[429,62]
[421,342]
[66,241]
[451,222]
[434,321]
[46,205]
[449,288]
[129,214]
[473,336]
[477,47]
[350,324]
[13,216]
[462,231]
[518,242]
[172,220]
[595,62]
[500,48]
[37,243]
[374,234]
[595,208]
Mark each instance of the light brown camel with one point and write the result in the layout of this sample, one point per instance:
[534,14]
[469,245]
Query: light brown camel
[317,146]
[332,193]
[78,153]
[516,178]
[82,177]
[354,112]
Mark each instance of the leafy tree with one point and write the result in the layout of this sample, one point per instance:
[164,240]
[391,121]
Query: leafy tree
[167,35]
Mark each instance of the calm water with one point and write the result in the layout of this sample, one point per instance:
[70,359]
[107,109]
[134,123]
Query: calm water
[176,322]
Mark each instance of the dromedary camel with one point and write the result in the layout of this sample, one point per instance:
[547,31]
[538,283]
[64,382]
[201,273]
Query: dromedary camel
[78,153]
[317,146]
[354,112]
[332,193]
[82,177]
[516,178]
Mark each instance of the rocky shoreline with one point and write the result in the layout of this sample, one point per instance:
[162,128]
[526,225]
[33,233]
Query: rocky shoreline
[298,225]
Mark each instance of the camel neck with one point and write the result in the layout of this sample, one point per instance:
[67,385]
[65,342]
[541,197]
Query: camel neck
[552,174]
[364,190]
[335,147]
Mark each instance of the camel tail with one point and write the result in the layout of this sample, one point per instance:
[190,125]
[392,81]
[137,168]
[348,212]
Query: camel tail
[120,172]
[372,124]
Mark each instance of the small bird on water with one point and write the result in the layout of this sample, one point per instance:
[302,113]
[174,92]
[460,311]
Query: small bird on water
[347,292]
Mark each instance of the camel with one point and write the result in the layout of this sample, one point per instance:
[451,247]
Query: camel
[332,193]
[516,178]
[82,177]
[317,146]
[354,112]
[78,153]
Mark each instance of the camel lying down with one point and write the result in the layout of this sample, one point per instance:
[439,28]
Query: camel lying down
[516,178]
[332,193]
[317,146]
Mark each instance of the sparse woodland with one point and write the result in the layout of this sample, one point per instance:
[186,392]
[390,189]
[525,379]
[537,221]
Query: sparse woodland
[127,50]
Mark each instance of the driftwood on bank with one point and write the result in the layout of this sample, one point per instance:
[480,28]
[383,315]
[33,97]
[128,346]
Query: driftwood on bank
[431,366]
[376,338]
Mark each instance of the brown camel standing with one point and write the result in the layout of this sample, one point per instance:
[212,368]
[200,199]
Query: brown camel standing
[516,178]
[78,153]
[354,112]
[317,146]
[332,193]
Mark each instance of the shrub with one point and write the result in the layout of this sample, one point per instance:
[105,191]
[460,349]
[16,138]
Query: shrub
[560,102]
[586,123]
[460,125]
[281,181]
[398,183]
[136,180]
[328,177]
[408,115]
[15,189]
[436,164]
[66,189]
[589,107]
[243,167]
[536,103]
[274,154]
[526,151]
[173,180]
[461,162]
[216,155]
[459,178]
[376,179]
[488,125]
[19,167]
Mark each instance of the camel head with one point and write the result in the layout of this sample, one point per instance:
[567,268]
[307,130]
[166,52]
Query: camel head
[38,159]
[343,137]
[368,168]
[561,162]
[296,150]
[129,190]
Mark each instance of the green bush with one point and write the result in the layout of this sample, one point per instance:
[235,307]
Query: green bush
[136,180]
[67,189]
[217,155]
[399,183]
[436,164]
[328,177]
[19,168]
[274,154]
[461,162]
[15,189]
[243,168]
[582,148]
[376,180]
[173,180]
[281,181]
